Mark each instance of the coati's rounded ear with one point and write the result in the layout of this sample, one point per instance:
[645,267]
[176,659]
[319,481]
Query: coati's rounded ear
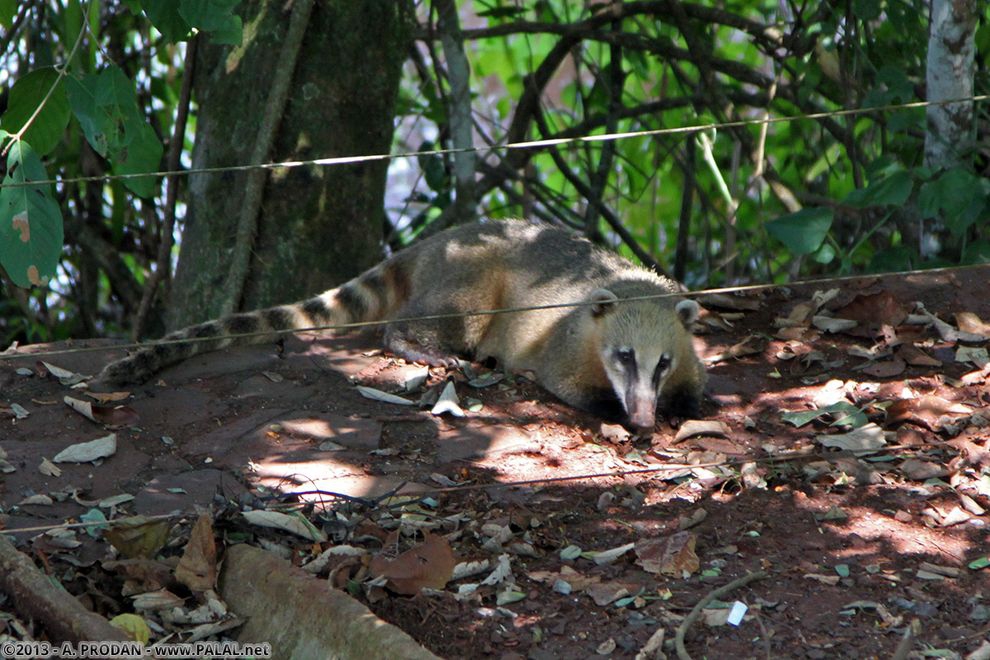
[688,311]
[602,300]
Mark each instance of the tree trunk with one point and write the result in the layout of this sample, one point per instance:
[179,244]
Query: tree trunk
[950,71]
[316,226]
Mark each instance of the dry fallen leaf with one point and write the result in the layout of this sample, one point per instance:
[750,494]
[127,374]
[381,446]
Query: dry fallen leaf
[428,565]
[885,369]
[924,410]
[84,452]
[673,555]
[695,427]
[197,568]
[973,324]
[110,415]
[138,537]
[916,357]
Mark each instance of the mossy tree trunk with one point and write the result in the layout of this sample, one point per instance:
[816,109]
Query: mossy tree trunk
[316,226]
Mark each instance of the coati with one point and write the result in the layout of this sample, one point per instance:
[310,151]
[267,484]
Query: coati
[613,358]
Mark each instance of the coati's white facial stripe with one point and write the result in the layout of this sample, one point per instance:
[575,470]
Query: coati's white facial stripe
[637,380]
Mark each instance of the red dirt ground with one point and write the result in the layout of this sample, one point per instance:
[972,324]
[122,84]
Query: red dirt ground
[859,551]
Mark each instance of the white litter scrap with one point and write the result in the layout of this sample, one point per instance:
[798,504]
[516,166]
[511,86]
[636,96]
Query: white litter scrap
[86,452]
[448,402]
[737,613]
[385,397]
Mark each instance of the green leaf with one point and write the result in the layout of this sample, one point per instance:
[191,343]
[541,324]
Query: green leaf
[891,190]
[166,17]
[216,17]
[143,154]
[802,232]
[30,220]
[979,563]
[846,414]
[8,8]
[25,96]
[957,196]
[106,106]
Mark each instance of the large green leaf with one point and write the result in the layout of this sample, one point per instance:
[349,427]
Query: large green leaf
[8,8]
[142,154]
[802,232]
[30,220]
[957,196]
[27,93]
[216,17]
[891,190]
[165,16]
[106,107]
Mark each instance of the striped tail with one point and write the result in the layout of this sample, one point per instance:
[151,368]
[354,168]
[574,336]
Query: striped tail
[374,295]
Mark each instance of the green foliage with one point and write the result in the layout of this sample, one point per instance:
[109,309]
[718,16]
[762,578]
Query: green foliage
[804,231]
[26,95]
[176,20]
[107,110]
[30,219]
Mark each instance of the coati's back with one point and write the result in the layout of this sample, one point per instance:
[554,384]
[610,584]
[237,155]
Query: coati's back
[607,356]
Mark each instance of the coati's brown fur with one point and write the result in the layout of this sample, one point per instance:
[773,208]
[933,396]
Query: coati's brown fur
[618,359]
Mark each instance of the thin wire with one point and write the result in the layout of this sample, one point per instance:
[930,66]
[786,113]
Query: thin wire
[488,149]
[746,288]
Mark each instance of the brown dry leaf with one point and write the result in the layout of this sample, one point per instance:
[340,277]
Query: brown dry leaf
[916,357]
[606,592]
[798,317]
[429,564]
[108,397]
[672,556]
[197,568]
[919,470]
[137,537]
[873,311]
[144,574]
[973,324]
[924,410]
[885,369]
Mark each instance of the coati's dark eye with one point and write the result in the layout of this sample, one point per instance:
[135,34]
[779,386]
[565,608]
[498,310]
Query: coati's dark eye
[625,356]
[663,365]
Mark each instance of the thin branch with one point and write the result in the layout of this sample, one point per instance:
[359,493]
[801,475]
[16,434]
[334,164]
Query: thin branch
[163,264]
[247,224]
[599,177]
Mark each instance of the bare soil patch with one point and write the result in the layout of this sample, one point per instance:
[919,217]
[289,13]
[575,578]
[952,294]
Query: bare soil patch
[860,549]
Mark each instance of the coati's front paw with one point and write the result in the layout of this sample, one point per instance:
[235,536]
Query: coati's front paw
[415,352]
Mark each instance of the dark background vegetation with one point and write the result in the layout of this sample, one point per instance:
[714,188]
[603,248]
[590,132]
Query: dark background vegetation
[228,83]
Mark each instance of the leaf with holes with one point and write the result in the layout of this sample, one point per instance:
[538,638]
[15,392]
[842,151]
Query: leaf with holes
[802,232]
[30,219]
[26,95]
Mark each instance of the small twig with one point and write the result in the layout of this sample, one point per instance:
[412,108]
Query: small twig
[247,223]
[696,611]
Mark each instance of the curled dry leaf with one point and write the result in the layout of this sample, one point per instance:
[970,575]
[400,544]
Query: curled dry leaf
[924,410]
[110,415]
[833,324]
[295,523]
[448,402]
[973,324]
[696,427]
[865,439]
[138,537]
[428,565]
[385,397]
